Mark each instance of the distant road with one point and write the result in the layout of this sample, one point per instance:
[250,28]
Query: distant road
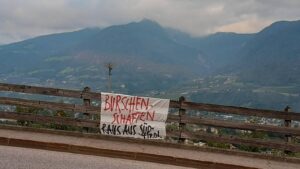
[25,158]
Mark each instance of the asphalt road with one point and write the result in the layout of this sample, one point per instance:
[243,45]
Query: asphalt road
[25,158]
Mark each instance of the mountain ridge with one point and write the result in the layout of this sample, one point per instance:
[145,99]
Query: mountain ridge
[150,51]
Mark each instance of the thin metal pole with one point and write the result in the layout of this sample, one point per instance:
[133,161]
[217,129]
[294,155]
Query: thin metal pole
[110,67]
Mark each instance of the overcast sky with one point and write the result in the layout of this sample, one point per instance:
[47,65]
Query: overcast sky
[22,19]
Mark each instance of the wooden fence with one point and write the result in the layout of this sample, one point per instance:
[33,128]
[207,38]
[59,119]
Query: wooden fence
[182,119]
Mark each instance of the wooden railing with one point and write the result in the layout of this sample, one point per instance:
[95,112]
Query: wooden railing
[182,119]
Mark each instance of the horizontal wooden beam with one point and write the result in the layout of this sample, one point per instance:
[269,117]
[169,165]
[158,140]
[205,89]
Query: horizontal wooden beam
[186,134]
[173,103]
[59,92]
[171,118]
[49,119]
[50,105]
[242,111]
[235,125]
[241,141]
[49,91]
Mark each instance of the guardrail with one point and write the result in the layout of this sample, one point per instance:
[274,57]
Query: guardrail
[182,119]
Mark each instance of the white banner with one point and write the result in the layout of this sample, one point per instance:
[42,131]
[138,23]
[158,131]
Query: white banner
[133,116]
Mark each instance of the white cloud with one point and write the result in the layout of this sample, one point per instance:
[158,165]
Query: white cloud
[21,19]
[251,25]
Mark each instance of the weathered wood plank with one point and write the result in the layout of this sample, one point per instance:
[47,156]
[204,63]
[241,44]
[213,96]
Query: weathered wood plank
[235,125]
[242,111]
[49,119]
[49,91]
[173,103]
[216,123]
[50,105]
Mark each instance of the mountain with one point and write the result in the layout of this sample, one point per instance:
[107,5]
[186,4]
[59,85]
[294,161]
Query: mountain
[272,56]
[27,54]
[269,57]
[221,48]
[223,68]
[146,41]
[260,70]
[145,58]
[218,50]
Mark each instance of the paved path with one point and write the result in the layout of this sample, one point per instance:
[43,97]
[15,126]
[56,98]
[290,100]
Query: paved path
[150,149]
[25,158]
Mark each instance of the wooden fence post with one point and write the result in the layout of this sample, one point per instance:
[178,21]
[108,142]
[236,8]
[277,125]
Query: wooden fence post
[181,124]
[86,102]
[288,123]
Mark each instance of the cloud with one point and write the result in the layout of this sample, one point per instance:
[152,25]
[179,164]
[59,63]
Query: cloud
[244,26]
[22,19]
